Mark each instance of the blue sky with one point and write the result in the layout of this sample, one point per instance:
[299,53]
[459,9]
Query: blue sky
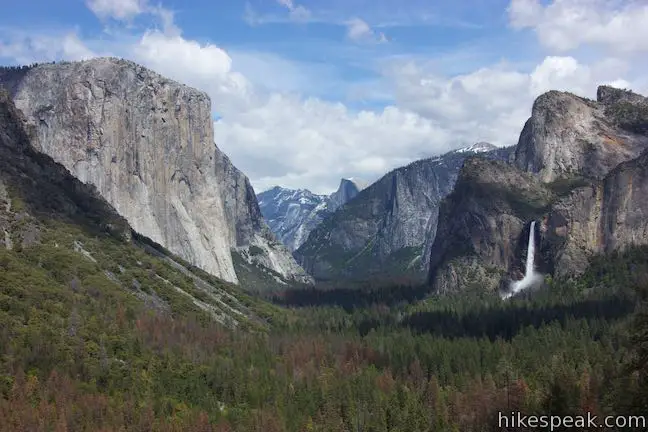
[320,58]
[309,91]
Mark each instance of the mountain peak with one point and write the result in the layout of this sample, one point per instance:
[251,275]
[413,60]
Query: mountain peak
[349,188]
[479,147]
[611,130]
[293,213]
[357,183]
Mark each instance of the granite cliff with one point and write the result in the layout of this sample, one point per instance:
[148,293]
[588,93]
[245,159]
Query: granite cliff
[571,136]
[599,218]
[346,191]
[580,168]
[60,234]
[146,143]
[385,231]
[482,223]
[33,184]
[293,214]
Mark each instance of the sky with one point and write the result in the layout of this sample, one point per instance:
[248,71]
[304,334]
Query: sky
[305,92]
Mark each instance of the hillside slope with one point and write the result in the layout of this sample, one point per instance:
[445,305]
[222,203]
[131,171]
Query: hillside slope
[63,230]
[102,330]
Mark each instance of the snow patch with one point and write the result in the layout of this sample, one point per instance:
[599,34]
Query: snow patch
[480,147]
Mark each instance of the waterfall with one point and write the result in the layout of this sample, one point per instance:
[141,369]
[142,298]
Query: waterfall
[530,252]
[530,276]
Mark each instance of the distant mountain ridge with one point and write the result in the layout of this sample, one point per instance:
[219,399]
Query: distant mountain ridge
[388,228]
[292,214]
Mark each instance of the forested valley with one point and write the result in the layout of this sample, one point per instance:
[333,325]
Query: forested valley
[78,352]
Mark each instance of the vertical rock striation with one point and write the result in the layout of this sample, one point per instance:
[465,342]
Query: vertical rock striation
[250,236]
[348,189]
[606,216]
[146,143]
[480,224]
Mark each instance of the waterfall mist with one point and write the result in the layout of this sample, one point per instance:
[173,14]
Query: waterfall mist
[530,276]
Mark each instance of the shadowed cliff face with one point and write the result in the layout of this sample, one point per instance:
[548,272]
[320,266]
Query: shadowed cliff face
[481,223]
[568,135]
[146,143]
[387,229]
[348,189]
[585,182]
[255,245]
[63,235]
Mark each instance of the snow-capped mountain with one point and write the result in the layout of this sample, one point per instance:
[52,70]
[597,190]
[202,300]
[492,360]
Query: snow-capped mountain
[293,213]
[387,231]
[480,147]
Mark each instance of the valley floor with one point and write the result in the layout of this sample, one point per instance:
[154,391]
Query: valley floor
[79,352]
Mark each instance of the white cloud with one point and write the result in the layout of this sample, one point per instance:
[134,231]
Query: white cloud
[122,10]
[28,48]
[564,25]
[524,13]
[359,31]
[277,136]
[492,103]
[297,12]
[298,143]
[203,66]
[127,10]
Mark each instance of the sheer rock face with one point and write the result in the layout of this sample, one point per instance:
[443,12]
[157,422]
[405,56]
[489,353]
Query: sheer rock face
[481,223]
[43,187]
[253,240]
[348,189]
[568,135]
[146,143]
[387,230]
[578,171]
[607,216]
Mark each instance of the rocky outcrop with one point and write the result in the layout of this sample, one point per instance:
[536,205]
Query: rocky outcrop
[293,214]
[51,220]
[600,218]
[348,189]
[568,135]
[584,179]
[481,223]
[383,232]
[146,143]
[253,242]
